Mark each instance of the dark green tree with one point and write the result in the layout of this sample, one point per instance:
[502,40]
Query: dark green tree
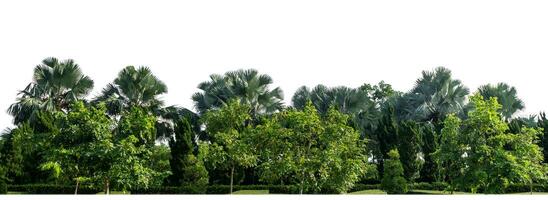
[186,168]
[543,123]
[409,136]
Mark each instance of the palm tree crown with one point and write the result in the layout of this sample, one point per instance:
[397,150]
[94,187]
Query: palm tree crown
[133,87]
[506,95]
[248,86]
[345,99]
[55,85]
[435,95]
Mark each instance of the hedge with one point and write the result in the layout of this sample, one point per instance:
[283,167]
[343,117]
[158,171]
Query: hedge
[3,187]
[52,189]
[170,190]
[225,189]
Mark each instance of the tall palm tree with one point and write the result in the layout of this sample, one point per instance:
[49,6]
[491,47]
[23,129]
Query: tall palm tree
[248,86]
[506,95]
[133,87]
[54,86]
[435,95]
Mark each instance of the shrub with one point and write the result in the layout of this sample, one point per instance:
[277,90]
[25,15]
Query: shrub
[360,187]
[170,190]
[393,181]
[52,189]
[520,188]
[283,189]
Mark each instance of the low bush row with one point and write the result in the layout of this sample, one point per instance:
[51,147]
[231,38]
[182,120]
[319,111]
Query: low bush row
[225,189]
[52,189]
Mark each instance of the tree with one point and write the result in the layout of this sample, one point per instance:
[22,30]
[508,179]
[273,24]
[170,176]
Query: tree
[393,181]
[506,96]
[494,157]
[247,86]
[54,86]
[186,168]
[229,130]
[386,136]
[133,87]
[319,153]
[449,155]
[409,136]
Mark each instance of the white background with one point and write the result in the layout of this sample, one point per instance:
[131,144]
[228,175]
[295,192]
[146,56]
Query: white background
[296,42]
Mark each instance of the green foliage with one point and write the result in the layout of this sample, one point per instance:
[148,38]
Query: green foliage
[137,122]
[318,153]
[393,181]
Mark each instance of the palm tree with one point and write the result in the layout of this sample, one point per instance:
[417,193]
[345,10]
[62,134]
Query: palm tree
[54,86]
[435,95]
[248,86]
[133,87]
[506,95]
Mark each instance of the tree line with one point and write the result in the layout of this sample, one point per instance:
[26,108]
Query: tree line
[328,139]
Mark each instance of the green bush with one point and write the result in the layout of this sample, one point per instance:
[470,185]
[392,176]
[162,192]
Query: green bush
[520,188]
[3,187]
[429,186]
[283,189]
[52,189]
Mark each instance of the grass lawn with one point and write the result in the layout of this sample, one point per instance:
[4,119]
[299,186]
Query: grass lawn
[251,192]
[369,192]
[435,192]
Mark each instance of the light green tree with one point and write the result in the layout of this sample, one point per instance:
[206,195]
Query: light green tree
[312,152]
[449,155]
[495,158]
[230,147]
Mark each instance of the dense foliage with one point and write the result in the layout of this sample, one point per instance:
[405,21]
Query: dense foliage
[330,140]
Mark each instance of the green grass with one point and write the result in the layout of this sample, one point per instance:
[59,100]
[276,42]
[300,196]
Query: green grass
[369,192]
[15,193]
[115,192]
[528,193]
[251,192]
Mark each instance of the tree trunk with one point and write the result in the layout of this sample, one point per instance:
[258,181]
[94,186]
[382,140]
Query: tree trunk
[231,179]
[77,184]
[107,189]
[531,187]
